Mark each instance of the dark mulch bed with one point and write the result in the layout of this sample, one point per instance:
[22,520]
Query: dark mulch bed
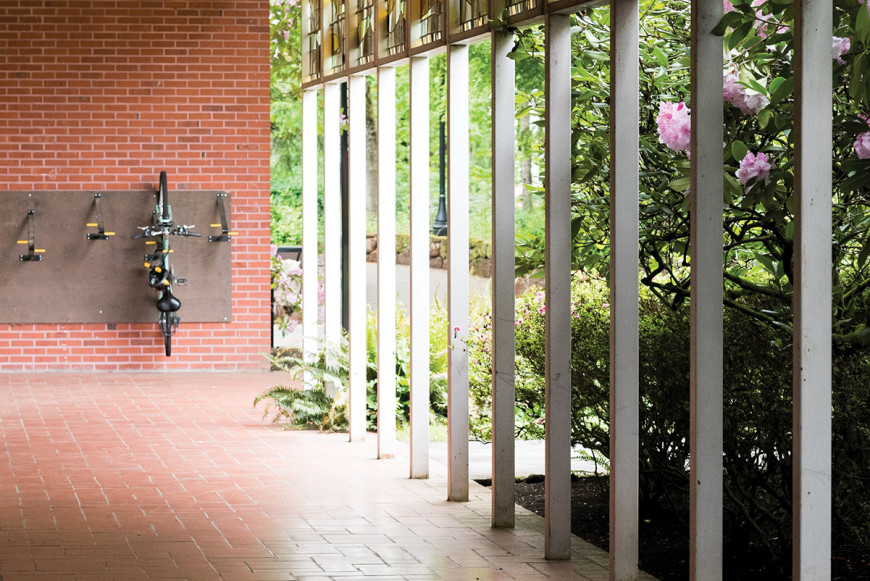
[664,538]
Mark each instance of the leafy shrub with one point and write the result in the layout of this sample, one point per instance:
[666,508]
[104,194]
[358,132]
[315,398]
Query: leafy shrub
[311,407]
[286,291]
[757,420]
[286,212]
[851,447]
[437,365]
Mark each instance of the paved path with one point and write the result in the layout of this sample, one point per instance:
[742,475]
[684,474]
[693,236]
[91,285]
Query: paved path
[477,285]
[175,476]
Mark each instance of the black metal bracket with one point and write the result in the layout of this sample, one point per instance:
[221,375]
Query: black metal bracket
[225,235]
[33,253]
[101,233]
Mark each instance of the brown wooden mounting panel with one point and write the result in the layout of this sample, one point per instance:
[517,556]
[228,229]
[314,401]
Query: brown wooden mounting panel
[104,281]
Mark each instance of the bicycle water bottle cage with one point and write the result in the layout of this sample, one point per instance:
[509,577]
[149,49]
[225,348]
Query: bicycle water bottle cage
[168,303]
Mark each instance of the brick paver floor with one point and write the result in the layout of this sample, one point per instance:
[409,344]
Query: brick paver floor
[176,476]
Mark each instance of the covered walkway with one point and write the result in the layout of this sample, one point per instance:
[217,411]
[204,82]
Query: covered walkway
[176,476]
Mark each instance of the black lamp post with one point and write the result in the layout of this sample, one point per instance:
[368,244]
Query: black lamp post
[439,226]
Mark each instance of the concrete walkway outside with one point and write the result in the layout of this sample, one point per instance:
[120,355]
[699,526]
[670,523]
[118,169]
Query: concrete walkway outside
[176,476]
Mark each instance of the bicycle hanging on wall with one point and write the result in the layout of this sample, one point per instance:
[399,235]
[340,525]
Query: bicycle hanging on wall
[161,275]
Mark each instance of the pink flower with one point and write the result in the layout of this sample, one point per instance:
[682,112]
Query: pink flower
[839,47]
[747,100]
[457,329]
[286,35]
[761,22]
[273,249]
[753,102]
[674,125]
[862,145]
[754,167]
[731,91]
[729,7]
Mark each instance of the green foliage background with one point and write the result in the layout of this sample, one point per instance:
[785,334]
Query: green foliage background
[758,245]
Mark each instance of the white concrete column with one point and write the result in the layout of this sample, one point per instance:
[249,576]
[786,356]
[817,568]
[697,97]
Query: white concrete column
[503,310]
[386,262]
[557,502]
[457,271]
[812,296]
[706,397]
[331,221]
[418,79]
[310,304]
[624,269]
[357,356]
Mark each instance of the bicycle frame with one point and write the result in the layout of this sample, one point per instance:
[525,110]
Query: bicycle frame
[161,275]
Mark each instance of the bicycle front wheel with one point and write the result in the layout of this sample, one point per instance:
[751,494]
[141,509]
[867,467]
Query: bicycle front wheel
[164,196]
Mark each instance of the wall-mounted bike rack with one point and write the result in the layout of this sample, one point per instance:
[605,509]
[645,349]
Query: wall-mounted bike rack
[225,235]
[80,280]
[101,233]
[33,254]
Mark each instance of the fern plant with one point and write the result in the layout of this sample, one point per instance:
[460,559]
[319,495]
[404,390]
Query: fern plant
[310,407]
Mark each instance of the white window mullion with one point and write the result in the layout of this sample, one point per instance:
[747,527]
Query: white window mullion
[419,308]
[812,296]
[457,271]
[557,501]
[357,308]
[386,262]
[624,296]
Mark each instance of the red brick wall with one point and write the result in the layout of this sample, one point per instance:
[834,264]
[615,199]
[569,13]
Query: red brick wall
[98,94]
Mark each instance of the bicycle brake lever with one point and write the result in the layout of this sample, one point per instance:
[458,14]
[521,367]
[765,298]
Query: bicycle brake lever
[185,231]
[145,234]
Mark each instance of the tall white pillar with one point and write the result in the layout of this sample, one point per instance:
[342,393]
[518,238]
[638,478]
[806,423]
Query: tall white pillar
[331,221]
[557,501]
[457,272]
[503,310]
[624,270]
[386,262]
[418,79]
[310,304]
[812,291]
[356,242]
[706,397]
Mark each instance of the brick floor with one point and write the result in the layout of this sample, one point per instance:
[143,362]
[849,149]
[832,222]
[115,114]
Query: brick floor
[176,476]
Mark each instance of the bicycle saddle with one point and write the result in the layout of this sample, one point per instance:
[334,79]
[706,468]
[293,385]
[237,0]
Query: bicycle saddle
[168,303]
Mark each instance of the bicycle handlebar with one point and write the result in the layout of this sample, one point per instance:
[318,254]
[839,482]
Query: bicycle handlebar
[151,231]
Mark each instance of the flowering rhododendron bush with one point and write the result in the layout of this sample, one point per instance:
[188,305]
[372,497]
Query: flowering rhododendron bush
[758,153]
